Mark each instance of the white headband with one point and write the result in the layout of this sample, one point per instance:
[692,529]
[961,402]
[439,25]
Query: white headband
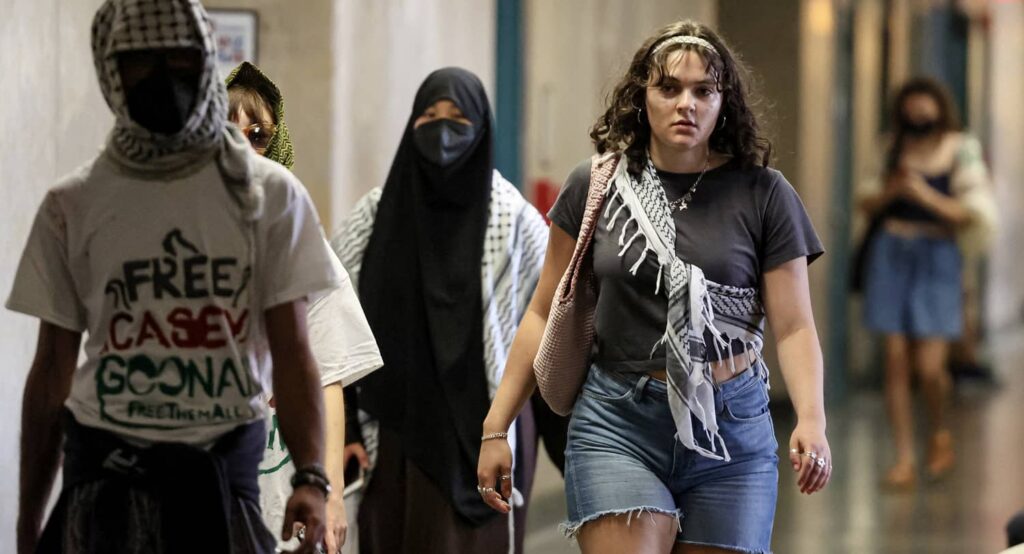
[685,39]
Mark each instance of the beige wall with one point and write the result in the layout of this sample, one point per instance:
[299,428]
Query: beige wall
[52,119]
[575,51]
[383,51]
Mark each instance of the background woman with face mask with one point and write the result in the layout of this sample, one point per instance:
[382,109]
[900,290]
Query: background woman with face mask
[934,191]
[445,258]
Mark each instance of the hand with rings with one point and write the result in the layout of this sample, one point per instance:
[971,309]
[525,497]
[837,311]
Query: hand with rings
[494,474]
[810,456]
[488,490]
[819,460]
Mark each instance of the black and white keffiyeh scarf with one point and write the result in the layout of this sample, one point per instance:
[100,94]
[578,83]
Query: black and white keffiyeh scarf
[128,25]
[695,306]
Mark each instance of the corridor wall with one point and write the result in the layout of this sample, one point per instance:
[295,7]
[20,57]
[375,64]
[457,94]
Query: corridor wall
[52,119]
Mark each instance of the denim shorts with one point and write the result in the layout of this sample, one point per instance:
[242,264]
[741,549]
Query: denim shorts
[622,458]
[912,287]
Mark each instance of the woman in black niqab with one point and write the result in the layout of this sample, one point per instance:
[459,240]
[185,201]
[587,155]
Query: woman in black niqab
[420,286]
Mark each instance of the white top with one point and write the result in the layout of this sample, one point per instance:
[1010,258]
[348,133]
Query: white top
[345,351]
[159,274]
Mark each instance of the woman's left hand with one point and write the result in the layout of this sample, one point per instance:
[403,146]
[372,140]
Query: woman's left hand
[810,456]
[337,523]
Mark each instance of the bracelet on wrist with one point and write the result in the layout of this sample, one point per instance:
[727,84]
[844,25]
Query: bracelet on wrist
[314,476]
[316,469]
[493,436]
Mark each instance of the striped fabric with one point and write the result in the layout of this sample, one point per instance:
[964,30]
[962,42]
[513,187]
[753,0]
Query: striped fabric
[130,25]
[514,247]
[695,306]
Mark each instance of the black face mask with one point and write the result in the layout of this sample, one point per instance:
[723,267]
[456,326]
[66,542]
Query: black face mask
[162,102]
[444,141]
[920,129]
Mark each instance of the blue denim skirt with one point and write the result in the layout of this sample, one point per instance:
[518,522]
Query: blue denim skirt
[913,287]
[622,458]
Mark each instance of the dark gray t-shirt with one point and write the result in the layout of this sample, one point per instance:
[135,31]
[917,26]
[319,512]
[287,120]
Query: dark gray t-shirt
[739,224]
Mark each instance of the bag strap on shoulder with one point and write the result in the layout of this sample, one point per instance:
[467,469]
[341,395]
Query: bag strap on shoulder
[602,169]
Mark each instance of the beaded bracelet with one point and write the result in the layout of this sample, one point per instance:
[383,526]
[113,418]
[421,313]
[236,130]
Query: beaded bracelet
[493,436]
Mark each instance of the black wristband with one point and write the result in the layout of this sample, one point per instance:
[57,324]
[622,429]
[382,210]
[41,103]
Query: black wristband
[314,476]
[315,469]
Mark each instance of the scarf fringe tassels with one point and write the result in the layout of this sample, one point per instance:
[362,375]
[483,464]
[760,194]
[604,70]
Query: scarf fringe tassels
[691,300]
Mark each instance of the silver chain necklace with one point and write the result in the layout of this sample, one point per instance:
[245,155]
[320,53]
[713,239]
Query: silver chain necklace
[683,202]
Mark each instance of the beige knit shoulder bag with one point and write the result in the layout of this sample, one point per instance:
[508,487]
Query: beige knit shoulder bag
[563,359]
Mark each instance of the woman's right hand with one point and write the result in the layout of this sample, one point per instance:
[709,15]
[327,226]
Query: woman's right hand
[495,462]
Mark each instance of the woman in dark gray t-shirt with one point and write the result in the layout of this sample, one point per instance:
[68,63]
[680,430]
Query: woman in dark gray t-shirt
[696,244]
[742,223]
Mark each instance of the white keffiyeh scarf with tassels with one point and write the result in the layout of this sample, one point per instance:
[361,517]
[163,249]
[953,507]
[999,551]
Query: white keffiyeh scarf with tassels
[695,306]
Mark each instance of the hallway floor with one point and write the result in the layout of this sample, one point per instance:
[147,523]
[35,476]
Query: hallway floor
[963,514]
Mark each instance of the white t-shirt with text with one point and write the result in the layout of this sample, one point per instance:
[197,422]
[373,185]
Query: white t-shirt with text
[169,283]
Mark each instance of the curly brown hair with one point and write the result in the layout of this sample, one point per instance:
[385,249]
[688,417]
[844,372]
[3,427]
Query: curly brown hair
[620,130]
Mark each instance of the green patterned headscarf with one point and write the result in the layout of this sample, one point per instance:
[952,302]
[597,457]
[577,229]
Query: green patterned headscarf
[249,76]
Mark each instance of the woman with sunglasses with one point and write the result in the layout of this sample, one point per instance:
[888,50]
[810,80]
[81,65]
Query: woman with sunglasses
[340,338]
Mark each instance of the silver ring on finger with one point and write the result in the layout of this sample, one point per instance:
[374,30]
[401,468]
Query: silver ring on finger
[506,477]
[821,462]
[484,490]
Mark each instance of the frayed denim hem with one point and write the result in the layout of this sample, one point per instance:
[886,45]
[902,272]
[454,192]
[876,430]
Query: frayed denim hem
[724,547]
[571,529]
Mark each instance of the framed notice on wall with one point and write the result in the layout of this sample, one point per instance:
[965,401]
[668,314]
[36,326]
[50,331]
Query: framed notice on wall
[236,33]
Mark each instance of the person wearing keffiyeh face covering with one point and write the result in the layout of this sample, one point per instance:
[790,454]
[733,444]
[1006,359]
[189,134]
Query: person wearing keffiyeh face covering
[186,260]
[445,257]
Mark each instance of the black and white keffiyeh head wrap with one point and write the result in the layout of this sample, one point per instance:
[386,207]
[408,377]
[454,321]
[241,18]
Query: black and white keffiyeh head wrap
[695,306]
[127,25]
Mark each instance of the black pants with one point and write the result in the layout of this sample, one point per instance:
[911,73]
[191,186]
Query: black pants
[552,429]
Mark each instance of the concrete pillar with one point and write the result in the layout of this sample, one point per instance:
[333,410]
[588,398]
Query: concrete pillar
[1006,289]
